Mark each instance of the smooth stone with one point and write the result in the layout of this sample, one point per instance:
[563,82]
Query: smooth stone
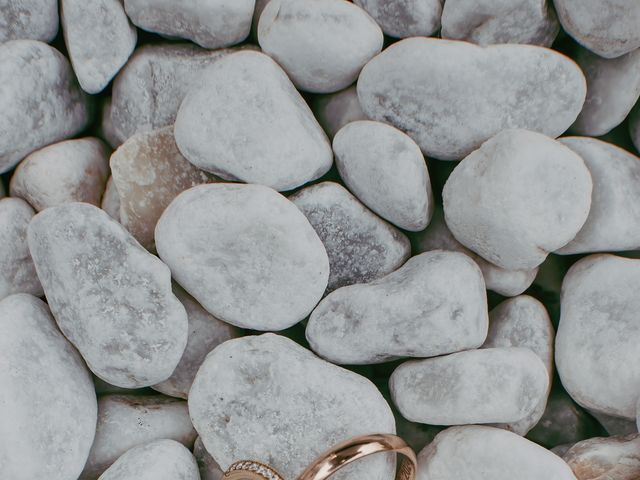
[606,458]
[99,38]
[361,246]
[225,126]
[126,421]
[405,18]
[598,334]
[111,200]
[488,22]
[65,172]
[437,236]
[209,468]
[111,298]
[40,95]
[48,414]
[149,172]
[474,452]
[210,24]
[524,322]
[268,399]
[540,188]
[17,271]
[245,253]
[634,126]
[385,169]
[28,20]
[616,425]
[613,88]
[334,110]
[205,333]
[321,44]
[609,28]
[613,223]
[433,305]
[481,90]
[492,385]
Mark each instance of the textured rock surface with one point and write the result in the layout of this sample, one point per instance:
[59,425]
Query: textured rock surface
[484,453]
[99,40]
[598,334]
[17,272]
[210,24]
[335,110]
[477,386]
[226,127]
[209,468]
[40,95]
[126,421]
[613,223]
[608,28]
[149,171]
[487,22]
[606,458]
[405,18]
[69,171]
[269,399]
[432,305]
[111,200]
[321,44]
[452,96]
[385,169]
[111,298]
[28,20]
[48,415]
[517,198]
[205,333]
[361,246]
[245,253]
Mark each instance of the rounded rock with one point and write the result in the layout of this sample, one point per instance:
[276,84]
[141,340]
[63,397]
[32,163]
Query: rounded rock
[335,110]
[405,18]
[28,20]
[606,458]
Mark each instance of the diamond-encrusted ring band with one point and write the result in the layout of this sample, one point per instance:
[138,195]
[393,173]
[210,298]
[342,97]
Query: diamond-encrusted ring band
[251,470]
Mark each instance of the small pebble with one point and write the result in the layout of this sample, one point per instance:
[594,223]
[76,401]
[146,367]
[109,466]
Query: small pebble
[613,458]
[28,20]
[334,110]
[209,468]
[111,200]
[405,18]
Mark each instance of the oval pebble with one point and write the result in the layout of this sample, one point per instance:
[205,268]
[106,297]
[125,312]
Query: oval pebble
[65,172]
[598,334]
[541,189]
[209,468]
[226,127]
[493,385]
[350,233]
[41,23]
[434,304]
[268,399]
[48,415]
[335,110]
[321,44]
[111,200]
[606,458]
[111,298]
[245,252]
[210,24]
[40,95]
[451,96]
[405,18]
[385,169]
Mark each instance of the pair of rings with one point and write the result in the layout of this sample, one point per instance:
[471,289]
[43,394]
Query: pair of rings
[333,460]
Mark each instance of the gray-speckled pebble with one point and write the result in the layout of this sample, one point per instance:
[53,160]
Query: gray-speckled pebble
[28,20]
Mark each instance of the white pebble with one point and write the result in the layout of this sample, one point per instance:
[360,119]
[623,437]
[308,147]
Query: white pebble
[28,20]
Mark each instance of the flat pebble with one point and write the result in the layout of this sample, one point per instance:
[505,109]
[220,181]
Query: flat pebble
[493,385]
[99,40]
[487,22]
[385,169]
[160,460]
[484,453]
[361,246]
[268,399]
[48,415]
[613,458]
[246,253]
[126,421]
[68,171]
[246,121]
[40,95]
[111,298]
[321,44]
[28,20]
[209,23]
[405,18]
[451,96]
[609,28]
[334,110]
[111,200]
[209,468]
[17,271]
[518,197]
[598,334]
[434,304]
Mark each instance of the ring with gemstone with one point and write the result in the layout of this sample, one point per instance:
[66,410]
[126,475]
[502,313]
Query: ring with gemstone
[251,470]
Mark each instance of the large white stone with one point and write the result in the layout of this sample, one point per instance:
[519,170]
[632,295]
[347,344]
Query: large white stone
[28,20]
[405,18]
